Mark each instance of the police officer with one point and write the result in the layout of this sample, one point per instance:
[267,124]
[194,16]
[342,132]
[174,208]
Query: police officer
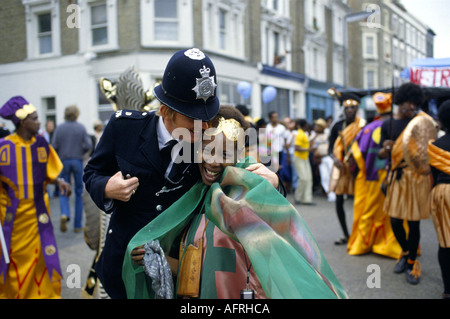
[130,173]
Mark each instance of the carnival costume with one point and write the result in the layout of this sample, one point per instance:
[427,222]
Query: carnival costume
[408,186]
[440,199]
[341,138]
[409,177]
[25,169]
[342,182]
[372,230]
[439,152]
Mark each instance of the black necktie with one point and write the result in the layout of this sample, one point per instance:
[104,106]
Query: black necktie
[179,166]
[166,154]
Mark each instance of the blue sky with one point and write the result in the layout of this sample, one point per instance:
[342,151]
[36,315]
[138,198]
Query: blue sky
[435,14]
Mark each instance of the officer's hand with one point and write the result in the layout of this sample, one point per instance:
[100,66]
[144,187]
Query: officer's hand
[120,188]
[263,171]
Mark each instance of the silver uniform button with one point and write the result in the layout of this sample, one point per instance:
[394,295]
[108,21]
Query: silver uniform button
[110,231]
[159,208]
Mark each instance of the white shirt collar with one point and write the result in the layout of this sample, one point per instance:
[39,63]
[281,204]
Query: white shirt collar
[163,134]
[163,138]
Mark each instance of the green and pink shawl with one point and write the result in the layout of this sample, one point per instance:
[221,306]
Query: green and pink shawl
[286,258]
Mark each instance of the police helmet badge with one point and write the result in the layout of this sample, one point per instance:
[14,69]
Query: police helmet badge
[205,86]
[194,54]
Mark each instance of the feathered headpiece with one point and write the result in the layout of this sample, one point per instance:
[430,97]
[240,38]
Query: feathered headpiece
[128,92]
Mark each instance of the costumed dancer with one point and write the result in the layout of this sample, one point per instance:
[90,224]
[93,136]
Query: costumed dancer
[372,230]
[439,152]
[231,236]
[27,164]
[409,183]
[342,135]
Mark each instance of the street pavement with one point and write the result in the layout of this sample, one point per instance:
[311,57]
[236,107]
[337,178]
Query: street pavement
[353,272]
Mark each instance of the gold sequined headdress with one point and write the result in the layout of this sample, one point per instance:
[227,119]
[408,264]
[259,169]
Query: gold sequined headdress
[346,99]
[231,128]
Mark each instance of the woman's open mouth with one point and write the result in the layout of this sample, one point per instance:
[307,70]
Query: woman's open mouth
[211,176]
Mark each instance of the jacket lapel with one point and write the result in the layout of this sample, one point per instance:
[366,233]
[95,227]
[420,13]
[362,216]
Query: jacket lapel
[149,145]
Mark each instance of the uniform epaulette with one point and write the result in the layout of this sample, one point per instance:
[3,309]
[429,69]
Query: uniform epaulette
[131,114]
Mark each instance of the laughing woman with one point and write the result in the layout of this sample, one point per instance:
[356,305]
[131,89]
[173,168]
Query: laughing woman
[232,235]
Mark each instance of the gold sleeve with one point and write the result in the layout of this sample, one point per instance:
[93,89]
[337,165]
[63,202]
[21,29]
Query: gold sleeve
[54,165]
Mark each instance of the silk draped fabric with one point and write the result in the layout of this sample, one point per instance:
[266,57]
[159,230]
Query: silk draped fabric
[244,206]
[342,182]
[440,195]
[407,197]
[343,142]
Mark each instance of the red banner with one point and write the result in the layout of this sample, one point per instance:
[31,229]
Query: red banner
[430,77]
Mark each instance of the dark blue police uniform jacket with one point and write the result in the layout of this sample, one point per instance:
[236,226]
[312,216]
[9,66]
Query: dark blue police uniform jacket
[130,144]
